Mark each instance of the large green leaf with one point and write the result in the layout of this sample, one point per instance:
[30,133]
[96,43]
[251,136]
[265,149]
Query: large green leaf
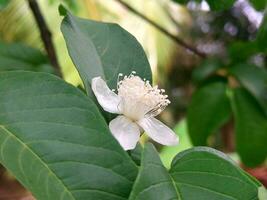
[57,144]
[203,173]
[208,111]
[103,49]
[250,128]
[254,79]
[15,56]
[197,174]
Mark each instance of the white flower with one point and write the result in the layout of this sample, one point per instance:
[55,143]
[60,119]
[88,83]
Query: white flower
[138,103]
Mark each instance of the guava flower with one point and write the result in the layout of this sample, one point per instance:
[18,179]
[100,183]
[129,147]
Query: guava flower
[137,103]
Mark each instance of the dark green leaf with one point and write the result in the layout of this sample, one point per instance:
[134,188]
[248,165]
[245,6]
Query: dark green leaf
[57,144]
[206,69]
[208,111]
[16,56]
[250,128]
[262,35]
[197,174]
[103,49]
[241,51]
[254,79]
[259,4]
[219,5]
[136,153]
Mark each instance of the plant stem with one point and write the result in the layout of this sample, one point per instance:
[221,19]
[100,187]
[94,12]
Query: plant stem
[45,35]
[163,30]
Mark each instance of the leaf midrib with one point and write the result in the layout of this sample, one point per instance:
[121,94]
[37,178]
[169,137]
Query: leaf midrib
[38,158]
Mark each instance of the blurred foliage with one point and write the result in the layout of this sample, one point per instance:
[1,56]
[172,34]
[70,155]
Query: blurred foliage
[234,36]
[232,33]
[20,57]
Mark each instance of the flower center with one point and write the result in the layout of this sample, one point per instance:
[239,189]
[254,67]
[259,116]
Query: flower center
[139,98]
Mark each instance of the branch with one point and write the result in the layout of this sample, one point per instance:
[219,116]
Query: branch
[45,35]
[163,30]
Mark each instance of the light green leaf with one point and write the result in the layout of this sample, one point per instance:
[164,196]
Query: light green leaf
[16,56]
[57,144]
[262,193]
[200,173]
[250,128]
[103,49]
[254,79]
[208,111]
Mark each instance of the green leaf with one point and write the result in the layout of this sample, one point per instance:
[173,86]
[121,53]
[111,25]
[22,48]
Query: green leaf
[200,173]
[203,173]
[207,68]
[15,56]
[103,49]
[262,35]
[254,79]
[3,4]
[248,49]
[208,111]
[217,5]
[57,144]
[259,4]
[220,5]
[262,193]
[250,128]
[153,181]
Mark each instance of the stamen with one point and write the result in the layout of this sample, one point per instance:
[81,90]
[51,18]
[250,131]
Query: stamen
[139,98]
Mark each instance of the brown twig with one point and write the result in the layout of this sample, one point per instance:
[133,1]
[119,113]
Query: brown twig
[45,35]
[163,30]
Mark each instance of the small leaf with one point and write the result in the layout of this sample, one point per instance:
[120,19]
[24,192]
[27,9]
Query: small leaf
[57,144]
[220,5]
[3,4]
[208,110]
[250,128]
[254,79]
[259,4]
[262,35]
[103,49]
[206,69]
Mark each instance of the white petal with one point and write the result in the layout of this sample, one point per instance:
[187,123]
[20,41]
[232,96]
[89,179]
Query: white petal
[158,131]
[125,131]
[105,97]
